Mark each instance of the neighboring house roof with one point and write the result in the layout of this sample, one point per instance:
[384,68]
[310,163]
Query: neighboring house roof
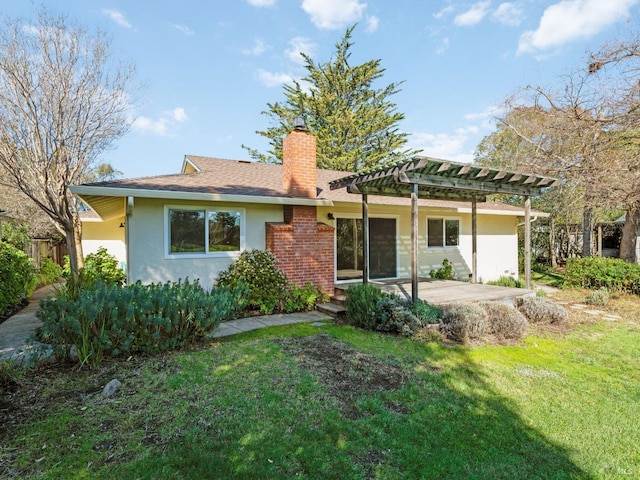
[216,179]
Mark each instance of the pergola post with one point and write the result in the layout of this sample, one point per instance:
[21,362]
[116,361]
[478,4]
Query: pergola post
[414,242]
[527,241]
[365,239]
[474,240]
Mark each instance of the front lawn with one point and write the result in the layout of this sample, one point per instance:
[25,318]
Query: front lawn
[330,401]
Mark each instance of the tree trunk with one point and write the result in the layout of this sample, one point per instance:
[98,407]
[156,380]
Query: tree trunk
[552,243]
[587,217]
[73,233]
[630,234]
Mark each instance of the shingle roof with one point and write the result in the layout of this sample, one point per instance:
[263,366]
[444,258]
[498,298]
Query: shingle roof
[240,177]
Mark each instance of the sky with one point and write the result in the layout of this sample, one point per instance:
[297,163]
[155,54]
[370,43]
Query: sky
[207,69]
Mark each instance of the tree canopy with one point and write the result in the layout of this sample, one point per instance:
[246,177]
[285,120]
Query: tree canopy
[62,103]
[355,123]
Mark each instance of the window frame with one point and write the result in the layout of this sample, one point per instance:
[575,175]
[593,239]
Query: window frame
[168,254]
[444,246]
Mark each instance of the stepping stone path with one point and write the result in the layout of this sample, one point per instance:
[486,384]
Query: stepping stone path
[610,317]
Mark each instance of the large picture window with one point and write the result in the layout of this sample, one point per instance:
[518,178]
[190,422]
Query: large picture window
[204,231]
[443,232]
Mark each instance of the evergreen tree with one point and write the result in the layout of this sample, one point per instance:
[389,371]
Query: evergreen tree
[355,124]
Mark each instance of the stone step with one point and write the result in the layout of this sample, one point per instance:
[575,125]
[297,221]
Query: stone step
[331,309]
[339,299]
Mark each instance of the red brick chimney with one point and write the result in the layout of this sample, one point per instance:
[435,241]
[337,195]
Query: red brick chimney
[299,164]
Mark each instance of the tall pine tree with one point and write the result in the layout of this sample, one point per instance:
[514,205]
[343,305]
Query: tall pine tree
[355,124]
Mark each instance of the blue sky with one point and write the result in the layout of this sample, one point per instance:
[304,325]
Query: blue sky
[210,67]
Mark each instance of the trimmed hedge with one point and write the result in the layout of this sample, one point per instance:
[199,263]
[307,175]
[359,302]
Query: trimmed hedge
[594,273]
[17,277]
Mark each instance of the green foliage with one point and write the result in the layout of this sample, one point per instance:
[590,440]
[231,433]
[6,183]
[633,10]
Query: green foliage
[16,235]
[103,266]
[445,272]
[302,299]
[17,277]
[541,293]
[109,319]
[505,321]
[425,312]
[394,316]
[49,271]
[266,284]
[598,297]
[541,310]
[614,274]
[355,124]
[464,322]
[507,281]
[360,305]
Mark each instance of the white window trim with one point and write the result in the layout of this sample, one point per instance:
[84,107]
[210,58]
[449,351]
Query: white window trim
[443,218]
[228,254]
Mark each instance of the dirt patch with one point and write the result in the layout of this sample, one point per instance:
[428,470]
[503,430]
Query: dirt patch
[345,372]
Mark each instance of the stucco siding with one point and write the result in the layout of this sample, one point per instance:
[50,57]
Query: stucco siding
[148,259]
[107,234]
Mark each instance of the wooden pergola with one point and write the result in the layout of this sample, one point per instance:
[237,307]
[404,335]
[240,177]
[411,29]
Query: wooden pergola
[431,178]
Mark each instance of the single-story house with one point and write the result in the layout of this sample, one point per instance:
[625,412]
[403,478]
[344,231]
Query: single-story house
[195,224]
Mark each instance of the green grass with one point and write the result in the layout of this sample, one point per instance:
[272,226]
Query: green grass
[255,406]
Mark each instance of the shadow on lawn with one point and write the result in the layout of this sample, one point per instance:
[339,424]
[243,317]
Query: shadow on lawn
[441,423]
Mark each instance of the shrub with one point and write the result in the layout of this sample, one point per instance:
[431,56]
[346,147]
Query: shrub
[17,277]
[445,272]
[541,310]
[360,305]
[49,271]
[101,265]
[425,312]
[16,235]
[613,274]
[505,321]
[506,281]
[257,270]
[598,297]
[464,322]
[394,316]
[301,299]
[108,319]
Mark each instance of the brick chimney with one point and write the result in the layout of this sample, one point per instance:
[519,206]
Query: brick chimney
[299,164]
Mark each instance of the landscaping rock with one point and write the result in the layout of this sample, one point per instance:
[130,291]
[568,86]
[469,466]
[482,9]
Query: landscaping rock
[111,388]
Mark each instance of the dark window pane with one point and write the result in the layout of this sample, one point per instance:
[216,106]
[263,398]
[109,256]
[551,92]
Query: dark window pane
[349,248]
[186,231]
[435,234]
[224,231]
[452,232]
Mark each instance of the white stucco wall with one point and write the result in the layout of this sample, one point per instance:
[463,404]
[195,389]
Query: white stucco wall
[105,234]
[148,261]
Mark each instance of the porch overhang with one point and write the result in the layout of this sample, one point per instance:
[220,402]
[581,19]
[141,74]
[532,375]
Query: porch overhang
[432,178]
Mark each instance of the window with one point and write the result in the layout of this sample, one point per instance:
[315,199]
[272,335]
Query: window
[443,232]
[201,231]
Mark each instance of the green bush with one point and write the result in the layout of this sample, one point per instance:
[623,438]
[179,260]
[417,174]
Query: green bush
[394,316]
[101,265]
[302,299]
[360,305]
[16,235]
[17,277]
[505,321]
[108,319]
[598,297]
[49,271]
[506,281]
[445,272]
[266,284]
[425,312]
[541,310]
[464,322]
[614,274]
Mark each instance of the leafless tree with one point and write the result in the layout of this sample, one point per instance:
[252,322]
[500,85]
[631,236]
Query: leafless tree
[63,102]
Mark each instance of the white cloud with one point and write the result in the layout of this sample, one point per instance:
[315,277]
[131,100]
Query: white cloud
[273,79]
[570,20]
[259,47]
[117,17]
[333,14]
[473,16]
[508,14]
[261,3]
[162,125]
[300,45]
[372,23]
[443,46]
[443,145]
[445,11]
[183,29]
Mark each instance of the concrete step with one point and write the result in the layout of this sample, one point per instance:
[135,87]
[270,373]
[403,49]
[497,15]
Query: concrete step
[331,309]
[339,299]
